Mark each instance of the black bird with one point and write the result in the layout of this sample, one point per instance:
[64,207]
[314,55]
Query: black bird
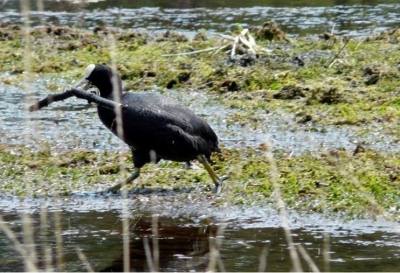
[155,127]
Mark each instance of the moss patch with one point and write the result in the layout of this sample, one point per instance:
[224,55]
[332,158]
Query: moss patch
[363,183]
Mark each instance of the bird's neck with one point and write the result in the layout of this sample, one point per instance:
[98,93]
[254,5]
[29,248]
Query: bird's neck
[114,96]
[111,92]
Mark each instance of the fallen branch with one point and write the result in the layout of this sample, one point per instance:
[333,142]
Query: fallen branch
[73,92]
[243,42]
[244,38]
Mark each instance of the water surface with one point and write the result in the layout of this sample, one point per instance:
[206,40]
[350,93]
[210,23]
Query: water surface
[294,17]
[74,124]
[187,226]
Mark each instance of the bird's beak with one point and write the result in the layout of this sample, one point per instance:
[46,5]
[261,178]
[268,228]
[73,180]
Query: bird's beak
[84,82]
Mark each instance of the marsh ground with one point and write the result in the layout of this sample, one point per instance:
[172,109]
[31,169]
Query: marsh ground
[319,84]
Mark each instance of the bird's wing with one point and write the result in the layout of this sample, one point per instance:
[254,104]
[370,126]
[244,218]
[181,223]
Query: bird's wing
[167,111]
[158,129]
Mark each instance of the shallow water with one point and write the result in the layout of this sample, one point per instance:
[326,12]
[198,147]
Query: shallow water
[73,124]
[187,224]
[294,17]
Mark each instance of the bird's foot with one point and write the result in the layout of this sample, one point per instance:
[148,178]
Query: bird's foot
[111,191]
[218,185]
[108,192]
[190,166]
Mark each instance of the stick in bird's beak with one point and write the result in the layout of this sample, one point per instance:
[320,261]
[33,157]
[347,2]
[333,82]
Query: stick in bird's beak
[86,85]
[84,82]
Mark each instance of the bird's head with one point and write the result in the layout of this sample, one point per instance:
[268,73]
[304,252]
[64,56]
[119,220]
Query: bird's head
[103,77]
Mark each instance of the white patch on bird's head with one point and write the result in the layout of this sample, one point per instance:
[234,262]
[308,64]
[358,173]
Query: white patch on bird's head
[89,70]
[84,81]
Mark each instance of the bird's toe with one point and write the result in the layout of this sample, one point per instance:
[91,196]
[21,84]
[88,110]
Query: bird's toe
[217,189]
[225,177]
[109,191]
[218,185]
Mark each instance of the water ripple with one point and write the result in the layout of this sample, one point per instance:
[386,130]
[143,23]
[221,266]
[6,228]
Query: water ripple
[351,20]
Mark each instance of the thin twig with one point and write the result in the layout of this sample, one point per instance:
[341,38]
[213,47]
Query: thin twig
[196,51]
[226,37]
[337,54]
[333,28]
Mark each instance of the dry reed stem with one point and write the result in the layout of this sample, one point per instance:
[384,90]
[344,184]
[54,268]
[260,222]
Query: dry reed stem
[30,257]
[220,232]
[281,208]
[46,249]
[120,133]
[85,261]
[28,239]
[215,246]
[30,264]
[307,258]
[147,252]
[262,265]
[326,252]
[59,242]
[156,252]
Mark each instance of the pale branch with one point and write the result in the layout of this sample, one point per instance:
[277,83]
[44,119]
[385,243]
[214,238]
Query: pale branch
[196,51]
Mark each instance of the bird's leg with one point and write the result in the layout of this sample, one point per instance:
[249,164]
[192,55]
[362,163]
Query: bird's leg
[133,176]
[214,176]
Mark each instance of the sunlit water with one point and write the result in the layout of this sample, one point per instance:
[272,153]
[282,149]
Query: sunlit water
[73,124]
[294,17]
[185,228]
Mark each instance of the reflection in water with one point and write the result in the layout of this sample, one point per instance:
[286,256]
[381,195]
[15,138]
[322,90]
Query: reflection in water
[180,248]
[184,231]
[98,235]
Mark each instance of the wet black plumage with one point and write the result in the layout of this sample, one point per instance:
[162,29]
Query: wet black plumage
[155,127]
